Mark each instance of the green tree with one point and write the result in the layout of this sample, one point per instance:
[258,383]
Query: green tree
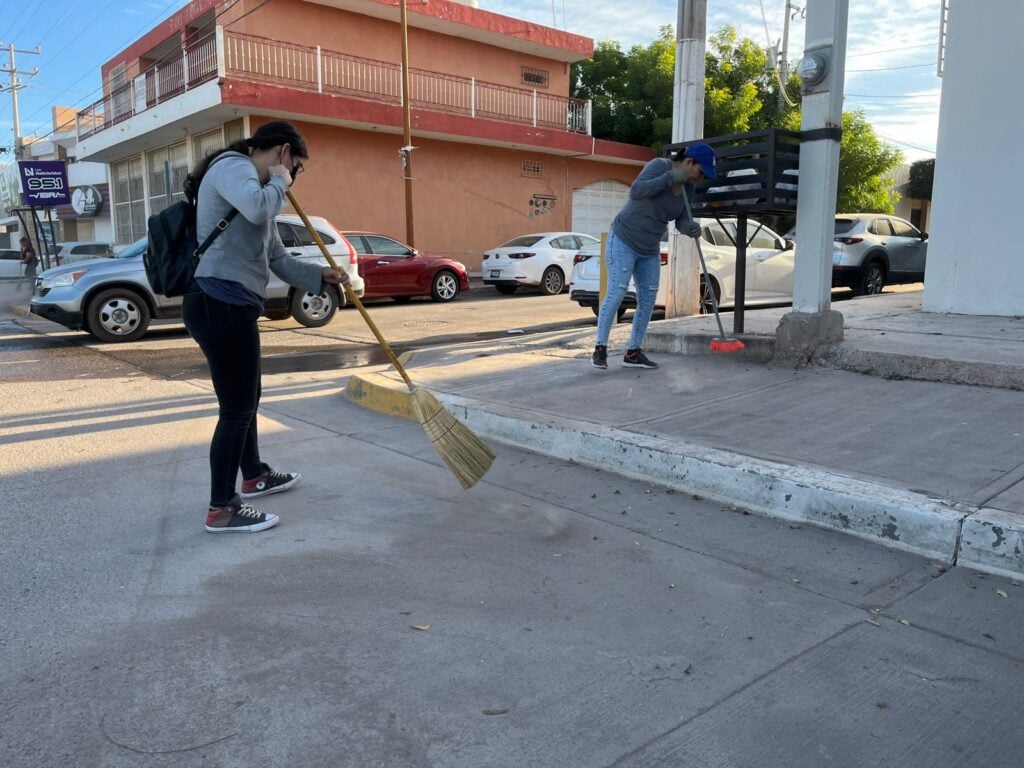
[922,176]
[864,162]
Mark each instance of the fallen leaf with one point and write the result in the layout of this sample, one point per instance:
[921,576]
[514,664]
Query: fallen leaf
[904,622]
[882,705]
[971,584]
[873,623]
[795,525]
[421,627]
[1001,593]
[495,711]
[1015,584]
[796,581]
[688,670]
[989,636]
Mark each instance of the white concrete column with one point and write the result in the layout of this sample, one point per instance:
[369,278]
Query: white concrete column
[683,289]
[819,160]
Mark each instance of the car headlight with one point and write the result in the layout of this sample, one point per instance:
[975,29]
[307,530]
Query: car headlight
[67,278]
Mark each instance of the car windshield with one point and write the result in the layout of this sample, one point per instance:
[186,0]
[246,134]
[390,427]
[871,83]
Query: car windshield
[845,225]
[135,249]
[521,242]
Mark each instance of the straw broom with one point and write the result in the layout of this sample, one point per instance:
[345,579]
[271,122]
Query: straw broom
[466,455]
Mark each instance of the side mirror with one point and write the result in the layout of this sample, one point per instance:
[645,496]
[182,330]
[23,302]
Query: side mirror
[413,252]
[788,245]
[924,236]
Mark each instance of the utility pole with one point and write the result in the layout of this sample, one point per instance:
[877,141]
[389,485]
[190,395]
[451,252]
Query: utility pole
[687,124]
[406,150]
[14,86]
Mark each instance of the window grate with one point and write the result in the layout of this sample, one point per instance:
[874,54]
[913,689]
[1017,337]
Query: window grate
[537,77]
[533,169]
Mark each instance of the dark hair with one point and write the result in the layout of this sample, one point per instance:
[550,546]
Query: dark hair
[268,135]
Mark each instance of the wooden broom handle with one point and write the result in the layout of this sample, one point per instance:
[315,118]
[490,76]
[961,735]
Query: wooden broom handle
[349,292]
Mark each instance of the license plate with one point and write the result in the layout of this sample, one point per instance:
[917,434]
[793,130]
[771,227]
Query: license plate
[495,273]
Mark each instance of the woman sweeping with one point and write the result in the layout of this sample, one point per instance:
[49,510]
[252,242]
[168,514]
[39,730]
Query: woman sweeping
[221,309]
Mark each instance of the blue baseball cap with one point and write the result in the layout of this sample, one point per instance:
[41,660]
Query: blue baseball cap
[701,154]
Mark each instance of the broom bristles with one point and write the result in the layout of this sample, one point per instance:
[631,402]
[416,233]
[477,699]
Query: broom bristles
[466,455]
[726,345]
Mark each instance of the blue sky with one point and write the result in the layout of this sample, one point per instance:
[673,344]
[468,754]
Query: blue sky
[890,59]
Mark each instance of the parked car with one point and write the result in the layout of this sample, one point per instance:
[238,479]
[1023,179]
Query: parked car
[543,259]
[112,299]
[769,269]
[10,263]
[395,270]
[78,250]
[871,251]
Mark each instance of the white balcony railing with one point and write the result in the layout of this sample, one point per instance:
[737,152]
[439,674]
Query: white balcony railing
[295,66]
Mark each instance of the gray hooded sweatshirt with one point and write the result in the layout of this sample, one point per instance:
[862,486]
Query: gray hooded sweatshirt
[250,247]
[652,205]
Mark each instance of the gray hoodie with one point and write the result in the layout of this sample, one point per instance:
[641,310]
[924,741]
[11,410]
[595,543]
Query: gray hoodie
[250,247]
[652,205]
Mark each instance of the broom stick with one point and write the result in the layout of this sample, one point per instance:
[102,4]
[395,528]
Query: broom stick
[466,455]
[722,343]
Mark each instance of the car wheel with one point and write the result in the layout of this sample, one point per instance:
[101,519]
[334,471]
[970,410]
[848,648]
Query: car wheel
[596,309]
[117,314]
[507,290]
[552,282]
[707,305]
[314,310]
[872,281]
[445,286]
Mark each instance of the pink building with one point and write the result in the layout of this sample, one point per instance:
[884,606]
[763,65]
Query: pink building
[501,148]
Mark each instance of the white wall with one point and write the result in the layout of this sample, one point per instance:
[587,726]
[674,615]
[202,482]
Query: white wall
[975,264]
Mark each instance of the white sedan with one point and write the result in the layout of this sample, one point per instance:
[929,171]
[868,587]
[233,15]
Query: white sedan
[769,269]
[544,259]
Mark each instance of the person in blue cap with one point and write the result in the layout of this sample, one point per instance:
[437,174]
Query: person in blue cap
[634,243]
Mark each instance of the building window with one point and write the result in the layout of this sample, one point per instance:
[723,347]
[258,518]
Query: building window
[205,143]
[537,77]
[166,166]
[129,200]
[533,169]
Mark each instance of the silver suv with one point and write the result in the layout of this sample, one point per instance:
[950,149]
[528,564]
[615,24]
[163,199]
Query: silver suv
[112,299]
[872,250]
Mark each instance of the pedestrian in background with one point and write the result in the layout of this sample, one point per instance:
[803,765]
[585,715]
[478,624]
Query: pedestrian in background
[28,258]
[222,307]
[634,243]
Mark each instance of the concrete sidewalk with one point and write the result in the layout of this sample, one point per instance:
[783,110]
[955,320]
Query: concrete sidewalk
[928,466]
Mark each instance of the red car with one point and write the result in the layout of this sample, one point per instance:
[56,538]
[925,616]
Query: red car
[393,269]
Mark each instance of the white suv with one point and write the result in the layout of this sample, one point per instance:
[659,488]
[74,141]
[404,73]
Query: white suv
[112,299]
[872,250]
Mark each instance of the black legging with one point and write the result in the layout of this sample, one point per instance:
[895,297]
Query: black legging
[230,339]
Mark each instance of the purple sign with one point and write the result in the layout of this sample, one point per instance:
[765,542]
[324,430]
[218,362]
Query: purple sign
[44,182]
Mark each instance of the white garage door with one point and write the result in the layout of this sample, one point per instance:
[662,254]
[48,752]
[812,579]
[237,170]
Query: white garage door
[595,205]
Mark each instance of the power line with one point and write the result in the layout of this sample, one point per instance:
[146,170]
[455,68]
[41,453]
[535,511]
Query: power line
[132,39]
[888,69]
[906,143]
[891,50]
[893,96]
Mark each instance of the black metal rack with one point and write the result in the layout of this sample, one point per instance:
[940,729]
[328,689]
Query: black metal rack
[757,174]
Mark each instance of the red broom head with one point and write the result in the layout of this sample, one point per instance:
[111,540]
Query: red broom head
[726,345]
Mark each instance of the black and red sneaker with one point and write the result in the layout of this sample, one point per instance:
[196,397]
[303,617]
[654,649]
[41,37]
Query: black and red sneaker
[268,482]
[635,358]
[238,517]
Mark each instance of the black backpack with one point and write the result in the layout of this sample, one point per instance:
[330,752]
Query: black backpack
[174,250]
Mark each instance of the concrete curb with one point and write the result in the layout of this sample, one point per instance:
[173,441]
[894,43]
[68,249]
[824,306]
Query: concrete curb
[993,541]
[378,393]
[757,348]
[987,540]
[893,365]
[881,514]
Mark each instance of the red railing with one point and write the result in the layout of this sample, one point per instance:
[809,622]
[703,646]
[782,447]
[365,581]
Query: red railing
[258,58]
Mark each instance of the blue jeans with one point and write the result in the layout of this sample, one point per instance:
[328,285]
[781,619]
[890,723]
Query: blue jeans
[623,263]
